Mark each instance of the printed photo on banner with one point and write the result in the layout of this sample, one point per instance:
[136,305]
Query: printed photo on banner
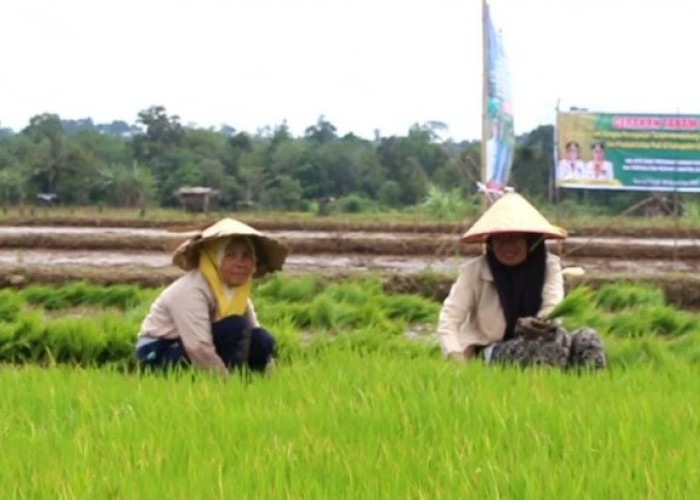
[628,151]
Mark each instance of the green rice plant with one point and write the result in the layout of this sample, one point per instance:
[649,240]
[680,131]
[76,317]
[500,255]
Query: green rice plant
[7,337]
[46,296]
[592,317]
[629,324]
[658,320]
[686,347]
[119,337]
[356,291]
[268,310]
[323,312]
[75,339]
[385,338]
[357,311]
[289,340]
[357,315]
[669,321]
[24,339]
[657,353]
[412,308]
[135,313]
[121,296]
[10,305]
[577,302]
[294,289]
[353,423]
[79,293]
[623,295]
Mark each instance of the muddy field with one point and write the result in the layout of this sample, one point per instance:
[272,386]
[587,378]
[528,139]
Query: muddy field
[315,242]
[422,257]
[636,228]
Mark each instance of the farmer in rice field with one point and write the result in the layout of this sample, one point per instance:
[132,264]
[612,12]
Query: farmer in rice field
[206,317]
[497,305]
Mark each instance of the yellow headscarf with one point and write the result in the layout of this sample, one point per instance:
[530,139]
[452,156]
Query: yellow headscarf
[229,300]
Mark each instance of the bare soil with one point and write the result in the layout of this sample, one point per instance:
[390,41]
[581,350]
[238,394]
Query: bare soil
[662,227]
[438,245]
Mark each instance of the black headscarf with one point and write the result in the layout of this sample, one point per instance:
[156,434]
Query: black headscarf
[520,287]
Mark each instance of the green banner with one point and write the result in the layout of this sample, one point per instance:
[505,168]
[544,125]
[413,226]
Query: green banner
[642,152]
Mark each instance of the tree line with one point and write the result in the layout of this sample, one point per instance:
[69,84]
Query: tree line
[145,164]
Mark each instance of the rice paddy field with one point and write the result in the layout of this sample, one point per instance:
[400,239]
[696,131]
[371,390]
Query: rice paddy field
[361,403]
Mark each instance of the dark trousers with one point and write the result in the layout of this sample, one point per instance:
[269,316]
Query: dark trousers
[236,343]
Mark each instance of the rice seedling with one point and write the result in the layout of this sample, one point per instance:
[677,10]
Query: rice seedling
[627,324]
[624,295]
[306,317]
[10,305]
[300,288]
[575,303]
[669,321]
[81,293]
[410,307]
[351,423]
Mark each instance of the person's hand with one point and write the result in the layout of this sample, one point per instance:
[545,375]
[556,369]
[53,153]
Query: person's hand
[534,328]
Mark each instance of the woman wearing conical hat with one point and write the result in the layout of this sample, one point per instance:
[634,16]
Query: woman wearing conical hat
[206,317]
[495,304]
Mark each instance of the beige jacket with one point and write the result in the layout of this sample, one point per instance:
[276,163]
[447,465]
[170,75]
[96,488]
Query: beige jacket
[186,310]
[471,314]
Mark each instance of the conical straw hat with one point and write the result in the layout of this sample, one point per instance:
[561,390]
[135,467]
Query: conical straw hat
[511,213]
[269,252]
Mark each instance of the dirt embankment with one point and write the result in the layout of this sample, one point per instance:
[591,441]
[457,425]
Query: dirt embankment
[318,242]
[661,228]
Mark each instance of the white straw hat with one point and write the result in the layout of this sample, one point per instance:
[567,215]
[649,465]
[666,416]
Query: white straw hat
[511,213]
[269,252]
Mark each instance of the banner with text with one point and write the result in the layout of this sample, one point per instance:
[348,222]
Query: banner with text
[644,152]
[498,132]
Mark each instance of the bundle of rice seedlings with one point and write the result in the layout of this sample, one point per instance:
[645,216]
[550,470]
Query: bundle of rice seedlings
[46,296]
[668,321]
[409,307]
[301,288]
[10,305]
[629,325]
[616,296]
[576,303]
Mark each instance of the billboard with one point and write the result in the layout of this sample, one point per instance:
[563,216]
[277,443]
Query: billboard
[498,133]
[642,152]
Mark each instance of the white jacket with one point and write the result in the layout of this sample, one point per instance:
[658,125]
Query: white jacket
[472,314]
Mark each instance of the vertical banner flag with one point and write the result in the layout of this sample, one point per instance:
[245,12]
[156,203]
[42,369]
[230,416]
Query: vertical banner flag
[635,152]
[497,128]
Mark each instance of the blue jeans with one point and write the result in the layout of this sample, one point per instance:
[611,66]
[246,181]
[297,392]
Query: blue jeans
[236,343]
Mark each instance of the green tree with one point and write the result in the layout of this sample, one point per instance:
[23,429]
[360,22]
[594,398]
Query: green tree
[12,186]
[324,131]
[47,157]
[126,185]
[161,132]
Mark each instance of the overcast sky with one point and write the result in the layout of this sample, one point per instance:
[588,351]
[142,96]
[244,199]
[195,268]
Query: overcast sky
[363,64]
